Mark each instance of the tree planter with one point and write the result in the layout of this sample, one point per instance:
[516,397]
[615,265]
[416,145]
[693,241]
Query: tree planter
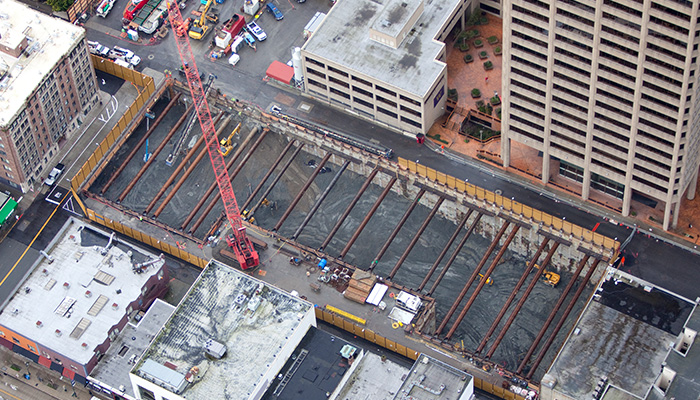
[476,93]
[488,65]
[492,40]
[468,58]
[483,55]
[495,100]
[497,50]
[464,47]
[478,43]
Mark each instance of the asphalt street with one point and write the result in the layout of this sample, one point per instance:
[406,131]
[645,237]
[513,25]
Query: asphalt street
[647,256]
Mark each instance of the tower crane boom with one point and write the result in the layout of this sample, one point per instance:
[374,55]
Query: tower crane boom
[240,243]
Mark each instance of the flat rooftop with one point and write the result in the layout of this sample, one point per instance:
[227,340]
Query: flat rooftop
[344,38]
[50,40]
[624,335]
[685,384]
[431,379]
[112,372]
[374,379]
[251,318]
[321,370]
[70,304]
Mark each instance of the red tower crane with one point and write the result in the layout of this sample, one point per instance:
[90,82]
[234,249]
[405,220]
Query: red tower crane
[243,248]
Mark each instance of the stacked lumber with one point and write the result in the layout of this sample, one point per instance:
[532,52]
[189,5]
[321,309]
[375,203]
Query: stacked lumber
[360,285]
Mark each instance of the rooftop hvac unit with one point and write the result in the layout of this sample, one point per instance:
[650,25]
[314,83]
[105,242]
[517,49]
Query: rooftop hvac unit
[214,348]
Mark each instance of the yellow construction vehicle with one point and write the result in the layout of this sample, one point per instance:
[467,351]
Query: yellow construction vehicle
[199,27]
[550,278]
[489,281]
[226,145]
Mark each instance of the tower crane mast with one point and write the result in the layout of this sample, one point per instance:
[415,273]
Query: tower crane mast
[240,243]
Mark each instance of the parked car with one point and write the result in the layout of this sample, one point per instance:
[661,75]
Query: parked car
[275,11]
[54,174]
[126,55]
[257,31]
[97,49]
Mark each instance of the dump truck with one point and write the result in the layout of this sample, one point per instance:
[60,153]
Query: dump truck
[228,32]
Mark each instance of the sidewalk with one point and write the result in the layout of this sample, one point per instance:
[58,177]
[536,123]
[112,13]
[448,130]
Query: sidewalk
[570,198]
[43,384]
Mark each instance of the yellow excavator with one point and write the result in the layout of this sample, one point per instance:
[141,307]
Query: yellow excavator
[550,278]
[225,145]
[199,27]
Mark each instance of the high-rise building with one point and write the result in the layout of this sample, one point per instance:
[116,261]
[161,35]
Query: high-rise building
[46,82]
[606,91]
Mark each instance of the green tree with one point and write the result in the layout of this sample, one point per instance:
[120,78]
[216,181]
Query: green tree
[60,5]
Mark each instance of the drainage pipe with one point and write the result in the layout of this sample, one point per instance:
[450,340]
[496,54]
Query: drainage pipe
[445,249]
[348,209]
[153,156]
[567,311]
[512,295]
[364,222]
[484,280]
[137,148]
[522,300]
[267,175]
[398,227]
[472,278]
[320,200]
[413,242]
[174,175]
[296,200]
[232,176]
[214,185]
[274,181]
[553,314]
[454,255]
[186,175]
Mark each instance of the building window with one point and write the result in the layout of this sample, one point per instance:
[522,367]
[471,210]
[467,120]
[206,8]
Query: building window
[412,122]
[364,103]
[14,339]
[146,394]
[410,111]
[386,101]
[337,71]
[340,93]
[414,102]
[387,112]
[312,61]
[317,84]
[385,90]
[338,82]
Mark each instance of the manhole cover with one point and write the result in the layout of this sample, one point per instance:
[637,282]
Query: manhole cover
[498,192]
[151,56]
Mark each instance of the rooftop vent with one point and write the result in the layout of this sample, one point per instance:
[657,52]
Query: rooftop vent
[58,332]
[115,306]
[66,285]
[84,345]
[39,324]
[214,348]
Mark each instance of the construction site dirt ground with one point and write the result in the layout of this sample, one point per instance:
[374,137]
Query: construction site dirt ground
[481,314]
